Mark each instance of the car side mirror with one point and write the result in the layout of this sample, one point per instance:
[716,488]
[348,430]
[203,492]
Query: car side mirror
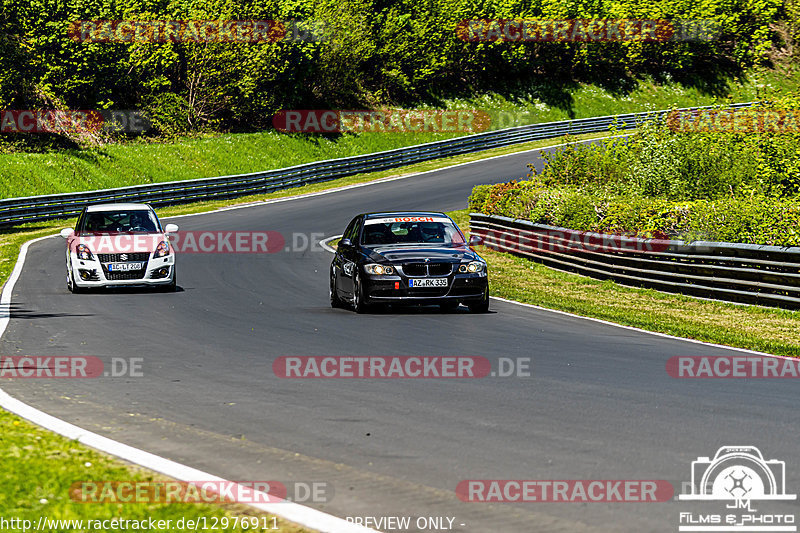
[346,243]
[475,240]
[171,228]
[67,232]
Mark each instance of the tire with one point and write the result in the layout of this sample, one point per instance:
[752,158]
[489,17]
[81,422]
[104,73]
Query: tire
[171,286]
[336,303]
[71,286]
[481,306]
[358,296]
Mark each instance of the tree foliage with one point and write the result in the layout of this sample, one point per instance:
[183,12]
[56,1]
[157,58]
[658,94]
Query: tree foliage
[378,52]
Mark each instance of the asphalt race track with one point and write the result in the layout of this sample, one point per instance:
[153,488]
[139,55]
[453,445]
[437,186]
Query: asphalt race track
[598,405]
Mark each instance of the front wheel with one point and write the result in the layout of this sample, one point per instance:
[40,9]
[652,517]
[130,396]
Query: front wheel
[359,304]
[335,301]
[481,306]
[173,285]
[71,285]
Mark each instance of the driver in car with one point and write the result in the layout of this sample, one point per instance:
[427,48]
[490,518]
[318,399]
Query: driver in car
[432,232]
[140,222]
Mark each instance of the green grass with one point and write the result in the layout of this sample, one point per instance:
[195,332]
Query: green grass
[140,162]
[11,239]
[774,331]
[585,101]
[39,467]
[769,330]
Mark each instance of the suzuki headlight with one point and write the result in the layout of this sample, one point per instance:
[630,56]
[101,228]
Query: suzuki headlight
[162,249]
[472,267]
[84,252]
[379,270]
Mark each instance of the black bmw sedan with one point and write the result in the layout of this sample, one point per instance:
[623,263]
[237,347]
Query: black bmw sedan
[407,258]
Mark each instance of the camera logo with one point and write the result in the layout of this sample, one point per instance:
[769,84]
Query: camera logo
[738,476]
[738,473]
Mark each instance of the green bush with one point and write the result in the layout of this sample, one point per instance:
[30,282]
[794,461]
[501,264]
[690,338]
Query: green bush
[657,162]
[753,220]
[662,182]
[170,114]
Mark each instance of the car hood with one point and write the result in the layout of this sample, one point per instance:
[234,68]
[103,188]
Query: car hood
[407,253]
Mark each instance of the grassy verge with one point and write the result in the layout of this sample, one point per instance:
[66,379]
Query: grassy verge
[39,467]
[769,330]
[11,239]
[775,331]
[140,162]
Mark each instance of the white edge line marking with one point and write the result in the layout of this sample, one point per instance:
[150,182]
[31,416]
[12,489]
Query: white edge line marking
[5,296]
[291,511]
[324,244]
[657,333]
[300,514]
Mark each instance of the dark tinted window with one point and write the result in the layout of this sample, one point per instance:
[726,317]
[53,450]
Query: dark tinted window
[356,231]
[352,230]
[412,233]
[79,223]
[137,221]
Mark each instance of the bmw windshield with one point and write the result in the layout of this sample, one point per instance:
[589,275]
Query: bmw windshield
[441,232]
[129,221]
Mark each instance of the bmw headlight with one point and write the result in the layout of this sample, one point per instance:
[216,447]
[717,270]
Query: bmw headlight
[379,270]
[162,249]
[84,252]
[472,267]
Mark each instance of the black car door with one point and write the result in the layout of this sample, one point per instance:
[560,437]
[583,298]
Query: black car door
[347,258]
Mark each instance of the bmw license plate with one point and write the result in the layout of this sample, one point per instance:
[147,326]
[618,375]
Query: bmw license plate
[124,267]
[427,282]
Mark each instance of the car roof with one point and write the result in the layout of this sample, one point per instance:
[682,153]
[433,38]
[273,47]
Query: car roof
[117,207]
[384,214]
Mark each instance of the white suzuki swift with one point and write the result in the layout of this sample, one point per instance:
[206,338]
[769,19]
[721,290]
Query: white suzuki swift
[119,245]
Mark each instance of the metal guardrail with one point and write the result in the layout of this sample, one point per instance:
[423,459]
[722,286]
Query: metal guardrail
[743,273]
[34,208]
